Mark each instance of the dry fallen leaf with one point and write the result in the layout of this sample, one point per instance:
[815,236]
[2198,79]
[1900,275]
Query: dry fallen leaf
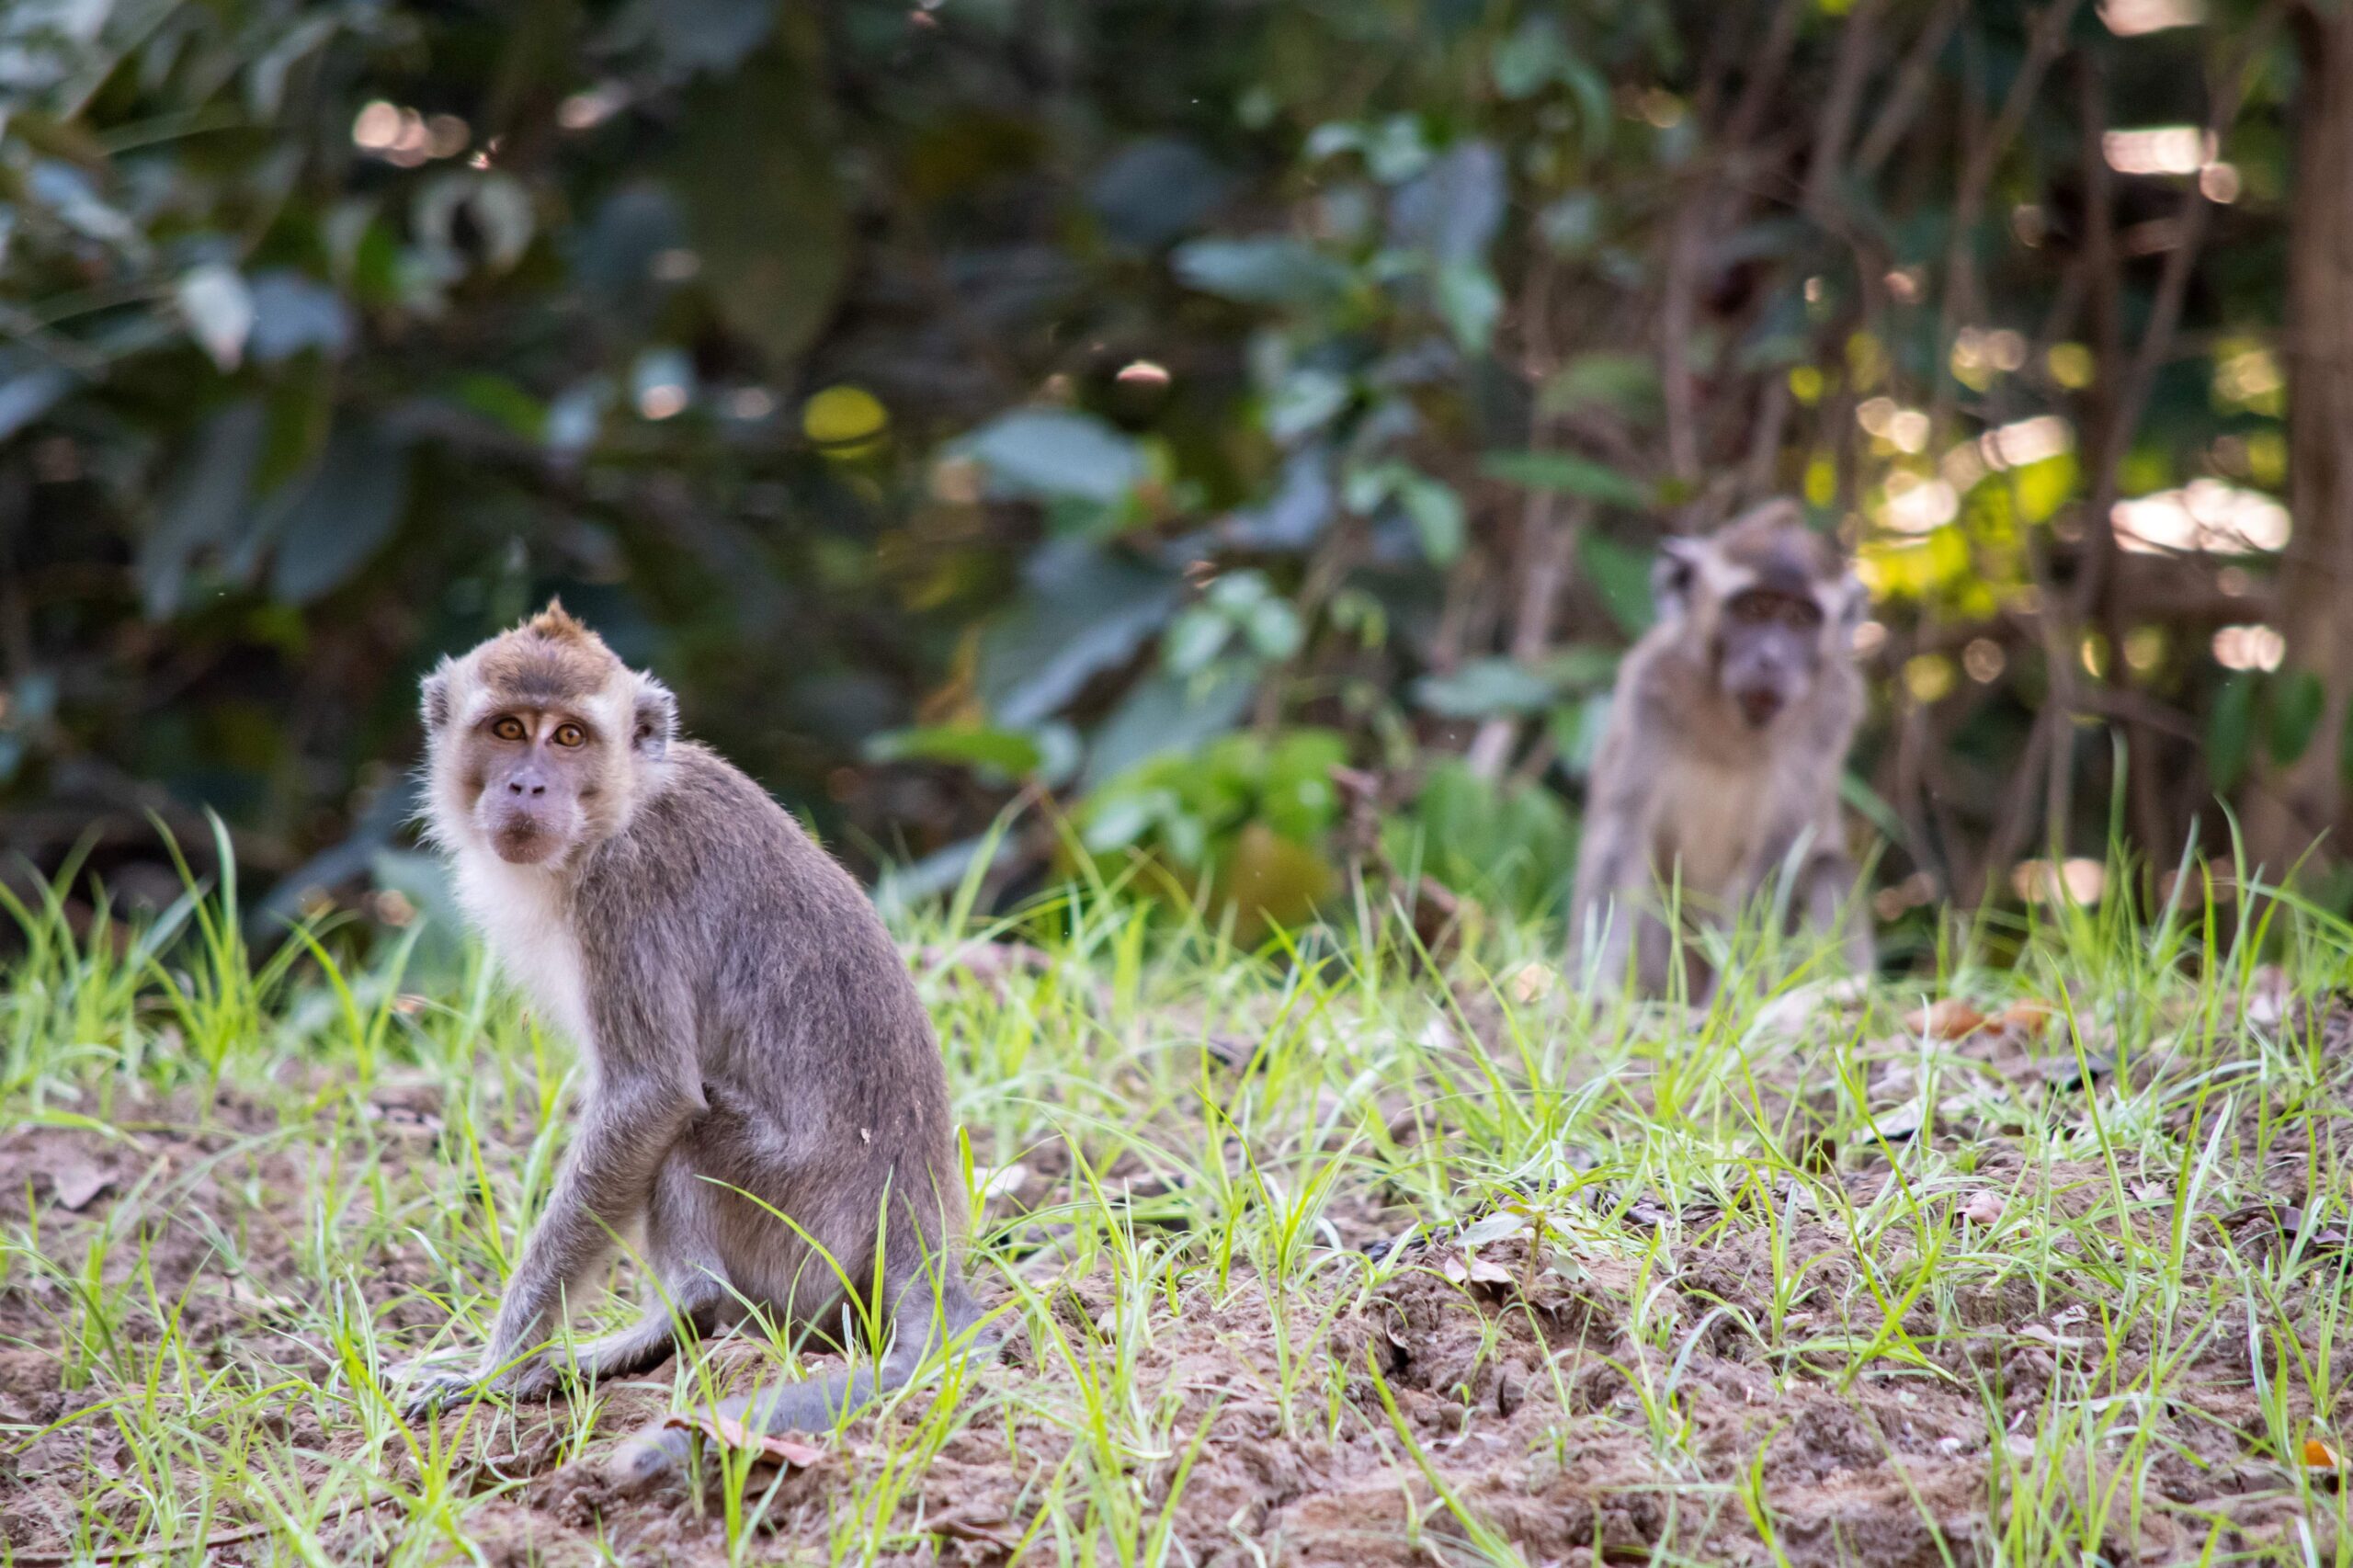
[1003,1181]
[77,1184]
[251,1297]
[2027,1019]
[1984,1208]
[1951,1018]
[1486,1271]
[1533,982]
[731,1434]
[2318,1455]
[1902,1120]
[2268,992]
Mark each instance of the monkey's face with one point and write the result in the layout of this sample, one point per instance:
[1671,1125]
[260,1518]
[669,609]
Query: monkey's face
[541,742]
[536,771]
[1768,648]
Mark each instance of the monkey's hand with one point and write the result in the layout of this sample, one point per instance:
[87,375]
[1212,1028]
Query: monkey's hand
[429,1385]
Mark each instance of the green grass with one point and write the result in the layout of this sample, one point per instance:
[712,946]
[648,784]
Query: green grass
[1325,1251]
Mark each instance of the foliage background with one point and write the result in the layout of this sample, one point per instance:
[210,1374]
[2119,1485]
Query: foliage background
[1147,407]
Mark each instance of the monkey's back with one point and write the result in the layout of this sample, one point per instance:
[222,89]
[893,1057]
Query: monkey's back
[819,1066]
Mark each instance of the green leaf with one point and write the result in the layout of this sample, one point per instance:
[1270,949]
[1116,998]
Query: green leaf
[1048,453]
[1119,821]
[499,399]
[219,310]
[1164,714]
[1562,472]
[1007,752]
[1482,688]
[1436,514]
[1581,666]
[1533,58]
[1622,577]
[754,174]
[1194,639]
[1154,190]
[1576,733]
[1452,208]
[344,514]
[26,392]
[1625,384]
[1273,629]
[691,35]
[2229,733]
[2294,701]
[292,313]
[1306,400]
[1856,791]
[1263,272]
[1471,302]
[206,505]
[1082,610]
[1595,114]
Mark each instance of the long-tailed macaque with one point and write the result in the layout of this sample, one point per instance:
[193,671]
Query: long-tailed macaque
[1717,780]
[766,1107]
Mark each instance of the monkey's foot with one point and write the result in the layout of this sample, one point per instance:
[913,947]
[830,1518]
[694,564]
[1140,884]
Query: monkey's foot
[422,1388]
[652,1457]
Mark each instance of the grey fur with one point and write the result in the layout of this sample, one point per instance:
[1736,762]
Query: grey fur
[1688,797]
[754,1039]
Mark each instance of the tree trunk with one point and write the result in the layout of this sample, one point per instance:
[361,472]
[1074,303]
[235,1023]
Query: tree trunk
[2295,805]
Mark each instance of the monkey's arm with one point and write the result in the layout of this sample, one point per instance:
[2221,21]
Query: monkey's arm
[1822,884]
[648,1094]
[1610,910]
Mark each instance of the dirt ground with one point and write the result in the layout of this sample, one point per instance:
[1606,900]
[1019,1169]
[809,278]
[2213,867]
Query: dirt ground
[1586,1405]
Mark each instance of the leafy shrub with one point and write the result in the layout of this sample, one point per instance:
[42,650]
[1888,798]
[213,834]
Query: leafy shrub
[1244,824]
[1509,845]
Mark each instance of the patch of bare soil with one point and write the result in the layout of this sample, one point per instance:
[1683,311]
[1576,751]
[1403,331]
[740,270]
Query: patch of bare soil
[1587,1408]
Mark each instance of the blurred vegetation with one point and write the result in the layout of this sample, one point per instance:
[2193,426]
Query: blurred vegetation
[1146,407]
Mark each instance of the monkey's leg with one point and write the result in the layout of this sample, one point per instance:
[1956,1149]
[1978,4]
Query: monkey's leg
[657,1454]
[695,1303]
[1835,905]
[693,1295]
[1605,934]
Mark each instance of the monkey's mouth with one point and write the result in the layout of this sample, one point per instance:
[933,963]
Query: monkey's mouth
[523,841]
[1760,705]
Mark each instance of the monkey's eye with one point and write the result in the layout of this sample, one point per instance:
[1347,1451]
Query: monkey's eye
[508,729]
[570,735]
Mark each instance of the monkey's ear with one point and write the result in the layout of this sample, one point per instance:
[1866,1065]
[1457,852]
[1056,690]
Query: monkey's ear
[1674,574]
[1858,600]
[653,723]
[436,703]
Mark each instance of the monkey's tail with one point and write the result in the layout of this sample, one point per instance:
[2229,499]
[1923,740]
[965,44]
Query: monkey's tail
[656,1456]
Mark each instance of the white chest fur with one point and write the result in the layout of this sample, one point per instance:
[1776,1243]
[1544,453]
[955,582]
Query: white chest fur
[1713,813]
[522,913]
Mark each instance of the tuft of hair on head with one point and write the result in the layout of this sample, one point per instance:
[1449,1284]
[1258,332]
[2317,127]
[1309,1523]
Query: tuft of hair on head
[557,624]
[1775,532]
[1764,520]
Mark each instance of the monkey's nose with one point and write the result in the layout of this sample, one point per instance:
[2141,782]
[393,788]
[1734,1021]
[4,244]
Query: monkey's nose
[514,787]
